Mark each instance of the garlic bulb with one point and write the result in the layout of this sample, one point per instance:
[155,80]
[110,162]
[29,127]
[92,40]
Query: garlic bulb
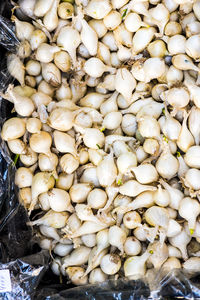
[189,209]
[95,67]
[142,38]
[145,173]
[135,266]
[110,264]
[16,68]
[167,165]
[181,241]
[41,142]
[13,128]
[132,188]
[125,83]
[65,35]
[107,108]
[159,254]
[98,9]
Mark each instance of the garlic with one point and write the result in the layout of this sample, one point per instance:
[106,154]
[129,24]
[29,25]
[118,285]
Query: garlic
[64,181]
[51,74]
[98,9]
[97,276]
[172,127]
[145,173]
[79,192]
[175,195]
[191,265]
[95,67]
[65,10]
[52,219]
[191,179]
[192,157]
[23,177]
[161,197]
[181,241]
[64,142]
[132,246]
[173,229]
[89,240]
[110,264]
[37,38]
[167,165]
[77,257]
[135,266]
[132,188]
[68,163]
[59,200]
[62,61]
[50,19]
[89,38]
[97,198]
[156,215]
[24,30]
[125,83]
[62,250]
[16,68]
[148,127]
[98,26]
[47,162]
[16,146]
[185,139]
[159,254]
[192,47]
[42,7]
[41,142]
[13,128]
[76,275]
[117,237]
[65,35]
[142,38]
[131,220]
[29,158]
[41,183]
[112,20]
[174,252]
[171,263]
[45,53]
[189,209]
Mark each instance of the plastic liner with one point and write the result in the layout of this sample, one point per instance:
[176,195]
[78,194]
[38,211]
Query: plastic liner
[27,266]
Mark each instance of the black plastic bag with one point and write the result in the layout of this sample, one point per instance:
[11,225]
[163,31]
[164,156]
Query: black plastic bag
[24,269]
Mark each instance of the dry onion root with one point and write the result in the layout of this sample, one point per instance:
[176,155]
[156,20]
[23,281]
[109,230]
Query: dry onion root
[107,133]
